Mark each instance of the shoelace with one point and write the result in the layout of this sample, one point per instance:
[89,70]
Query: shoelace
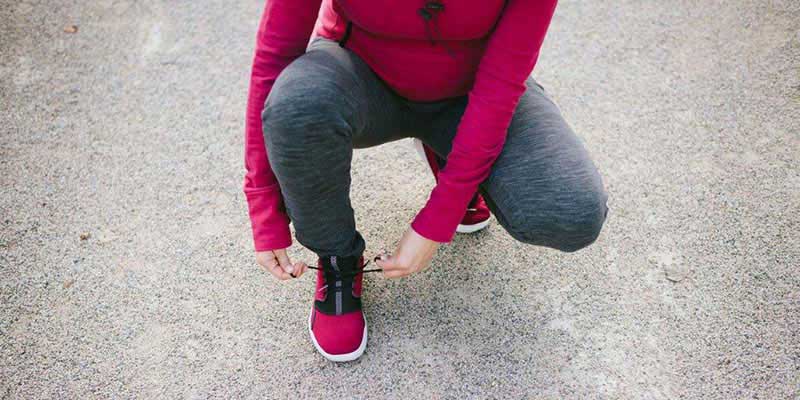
[345,275]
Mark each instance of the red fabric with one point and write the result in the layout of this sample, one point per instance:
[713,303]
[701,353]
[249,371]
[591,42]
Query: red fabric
[321,290]
[477,211]
[488,65]
[338,334]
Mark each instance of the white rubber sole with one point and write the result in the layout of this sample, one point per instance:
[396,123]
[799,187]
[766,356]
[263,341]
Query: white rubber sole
[472,228]
[416,144]
[339,357]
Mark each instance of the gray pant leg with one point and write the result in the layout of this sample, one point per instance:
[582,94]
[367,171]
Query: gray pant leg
[543,187]
[322,105]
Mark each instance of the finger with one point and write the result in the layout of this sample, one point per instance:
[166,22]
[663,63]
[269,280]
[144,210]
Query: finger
[386,262]
[279,273]
[396,271]
[276,267]
[264,268]
[265,258]
[394,274]
[266,262]
[272,263]
[283,260]
[299,269]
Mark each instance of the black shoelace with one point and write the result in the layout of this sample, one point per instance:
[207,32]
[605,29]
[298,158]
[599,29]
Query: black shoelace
[338,275]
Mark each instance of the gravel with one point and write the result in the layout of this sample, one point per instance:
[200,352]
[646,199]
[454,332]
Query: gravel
[126,266]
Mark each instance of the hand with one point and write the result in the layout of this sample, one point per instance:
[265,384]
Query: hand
[413,254]
[277,263]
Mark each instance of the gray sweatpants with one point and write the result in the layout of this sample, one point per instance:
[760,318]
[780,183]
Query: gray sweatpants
[543,188]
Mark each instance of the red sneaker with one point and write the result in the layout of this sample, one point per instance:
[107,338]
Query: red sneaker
[336,324]
[478,214]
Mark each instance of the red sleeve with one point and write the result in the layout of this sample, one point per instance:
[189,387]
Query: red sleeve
[510,56]
[283,35]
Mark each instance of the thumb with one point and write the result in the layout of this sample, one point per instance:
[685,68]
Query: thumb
[283,260]
[385,261]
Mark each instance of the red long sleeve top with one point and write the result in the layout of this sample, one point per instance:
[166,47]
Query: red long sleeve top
[484,49]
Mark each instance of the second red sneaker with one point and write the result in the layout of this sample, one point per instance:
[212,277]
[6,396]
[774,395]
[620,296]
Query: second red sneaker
[337,325]
[477,216]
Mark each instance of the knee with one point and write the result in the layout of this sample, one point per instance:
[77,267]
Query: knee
[299,110]
[567,229]
[583,230]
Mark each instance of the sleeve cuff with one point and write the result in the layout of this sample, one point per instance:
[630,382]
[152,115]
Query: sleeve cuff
[445,209]
[268,219]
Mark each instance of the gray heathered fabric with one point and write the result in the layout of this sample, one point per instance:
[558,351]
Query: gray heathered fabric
[543,187]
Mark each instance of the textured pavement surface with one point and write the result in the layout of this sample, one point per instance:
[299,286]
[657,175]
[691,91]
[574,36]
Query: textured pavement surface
[126,266]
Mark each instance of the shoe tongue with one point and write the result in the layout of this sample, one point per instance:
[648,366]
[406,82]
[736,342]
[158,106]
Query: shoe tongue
[340,264]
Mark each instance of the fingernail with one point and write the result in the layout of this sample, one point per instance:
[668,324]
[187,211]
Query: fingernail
[289,269]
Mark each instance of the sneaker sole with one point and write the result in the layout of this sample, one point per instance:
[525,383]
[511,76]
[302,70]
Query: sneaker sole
[416,144]
[472,228]
[339,357]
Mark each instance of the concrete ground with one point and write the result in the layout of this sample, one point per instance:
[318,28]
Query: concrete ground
[126,265]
